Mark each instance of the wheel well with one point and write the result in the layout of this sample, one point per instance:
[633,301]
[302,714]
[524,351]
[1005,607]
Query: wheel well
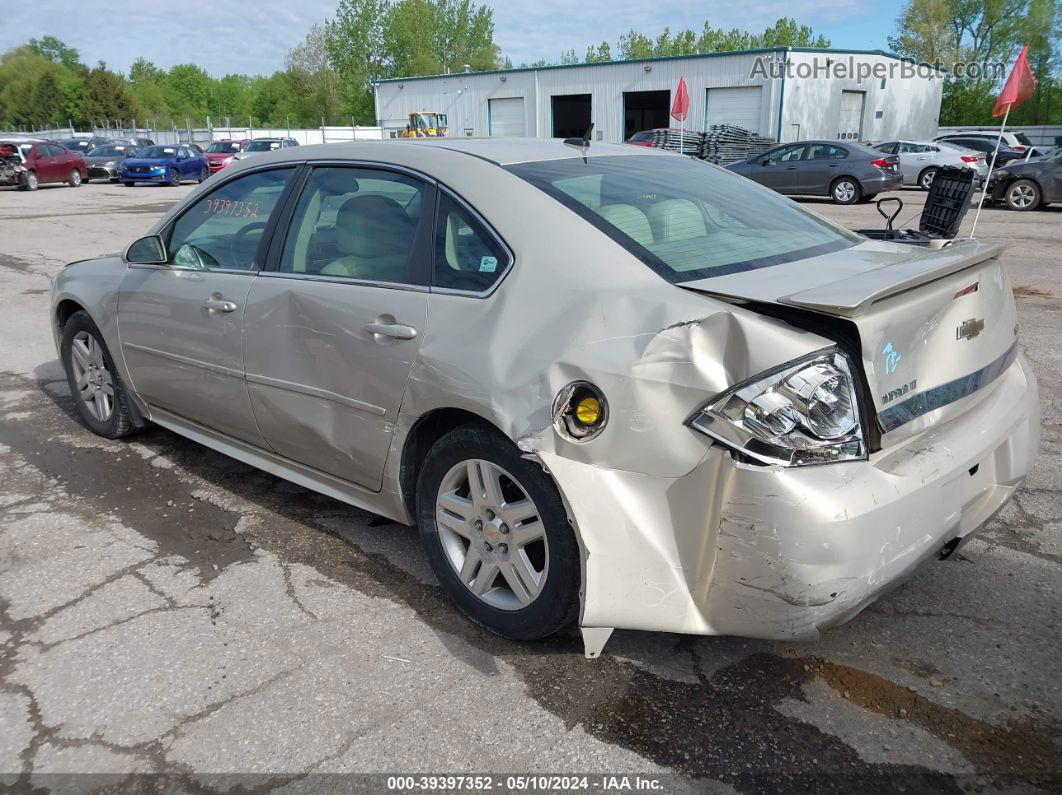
[425,432]
[65,309]
[924,170]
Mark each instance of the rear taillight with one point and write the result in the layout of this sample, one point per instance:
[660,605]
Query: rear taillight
[1019,148]
[969,159]
[881,163]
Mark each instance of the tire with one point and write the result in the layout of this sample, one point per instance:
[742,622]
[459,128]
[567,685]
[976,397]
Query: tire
[925,179]
[29,181]
[75,179]
[114,179]
[845,190]
[89,372]
[175,178]
[129,184]
[549,550]
[1023,194]
[203,176]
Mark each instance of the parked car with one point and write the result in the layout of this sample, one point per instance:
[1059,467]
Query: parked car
[139,143]
[43,162]
[1029,184]
[258,146]
[219,154]
[164,165]
[986,145]
[103,161]
[84,145]
[644,138]
[196,149]
[845,171]
[1017,141]
[920,160]
[704,409]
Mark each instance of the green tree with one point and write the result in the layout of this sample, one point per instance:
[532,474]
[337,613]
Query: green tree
[355,44]
[105,96]
[48,102]
[312,71]
[54,50]
[602,53]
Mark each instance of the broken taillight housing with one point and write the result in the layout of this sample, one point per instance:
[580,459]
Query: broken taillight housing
[804,412]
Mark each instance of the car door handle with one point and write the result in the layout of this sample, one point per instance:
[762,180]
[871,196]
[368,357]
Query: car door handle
[398,331]
[216,303]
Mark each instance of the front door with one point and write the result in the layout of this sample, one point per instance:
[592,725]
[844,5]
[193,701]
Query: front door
[331,333]
[180,323]
[780,169]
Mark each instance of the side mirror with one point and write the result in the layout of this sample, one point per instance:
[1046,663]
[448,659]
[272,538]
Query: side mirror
[148,250]
[766,161]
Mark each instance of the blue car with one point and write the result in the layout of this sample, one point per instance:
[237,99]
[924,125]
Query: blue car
[168,164]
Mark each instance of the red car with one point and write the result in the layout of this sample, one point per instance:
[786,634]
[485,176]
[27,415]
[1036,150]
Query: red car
[643,138]
[219,154]
[41,162]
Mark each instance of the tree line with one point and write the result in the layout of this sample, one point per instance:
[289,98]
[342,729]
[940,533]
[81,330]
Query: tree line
[327,78]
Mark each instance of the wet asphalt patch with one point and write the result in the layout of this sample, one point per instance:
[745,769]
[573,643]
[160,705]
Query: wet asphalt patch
[724,726]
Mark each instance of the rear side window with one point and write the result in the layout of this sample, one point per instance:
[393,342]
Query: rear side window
[825,152]
[467,256]
[687,220]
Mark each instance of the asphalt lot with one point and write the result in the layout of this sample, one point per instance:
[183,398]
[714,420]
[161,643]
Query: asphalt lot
[166,610]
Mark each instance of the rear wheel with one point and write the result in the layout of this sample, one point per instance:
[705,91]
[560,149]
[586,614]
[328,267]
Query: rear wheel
[845,190]
[175,178]
[29,181]
[203,176]
[497,535]
[75,179]
[925,179]
[1024,194]
[95,385]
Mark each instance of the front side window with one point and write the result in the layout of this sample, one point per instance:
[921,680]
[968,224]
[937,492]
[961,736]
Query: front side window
[355,223]
[467,256]
[223,229]
[785,154]
[687,220]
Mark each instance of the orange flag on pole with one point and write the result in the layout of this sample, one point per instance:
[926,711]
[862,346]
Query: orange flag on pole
[1019,86]
[681,107]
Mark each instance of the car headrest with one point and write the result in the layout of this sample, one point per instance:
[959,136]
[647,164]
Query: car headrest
[629,220]
[676,219]
[373,226]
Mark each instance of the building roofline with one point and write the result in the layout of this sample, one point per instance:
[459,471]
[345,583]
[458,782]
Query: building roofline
[656,59]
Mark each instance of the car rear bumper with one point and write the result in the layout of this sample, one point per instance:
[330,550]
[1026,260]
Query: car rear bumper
[783,553]
[882,182]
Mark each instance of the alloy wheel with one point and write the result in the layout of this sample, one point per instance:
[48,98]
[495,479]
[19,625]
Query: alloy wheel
[844,191]
[94,381]
[30,180]
[927,178]
[1022,196]
[75,178]
[492,535]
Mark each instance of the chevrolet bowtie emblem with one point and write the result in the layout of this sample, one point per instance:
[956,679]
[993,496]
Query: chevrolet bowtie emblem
[969,329]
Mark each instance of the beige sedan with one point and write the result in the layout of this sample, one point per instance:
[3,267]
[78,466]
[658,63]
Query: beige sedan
[612,387]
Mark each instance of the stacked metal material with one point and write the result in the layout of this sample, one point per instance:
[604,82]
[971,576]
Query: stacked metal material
[722,143]
[725,143]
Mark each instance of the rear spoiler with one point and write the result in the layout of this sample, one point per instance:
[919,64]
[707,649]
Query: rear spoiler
[849,296]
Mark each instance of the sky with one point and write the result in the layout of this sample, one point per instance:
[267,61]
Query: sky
[227,37]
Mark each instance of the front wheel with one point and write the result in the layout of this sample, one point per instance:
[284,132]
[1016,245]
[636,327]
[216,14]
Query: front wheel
[175,178]
[96,387]
[497,535]
[845,191]
[29,181]
[129,184]
[203,176]
[1023,194]
[75,179]
[925,179]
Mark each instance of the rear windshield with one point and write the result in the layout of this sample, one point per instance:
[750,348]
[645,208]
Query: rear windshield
[685,219]
[1022,139]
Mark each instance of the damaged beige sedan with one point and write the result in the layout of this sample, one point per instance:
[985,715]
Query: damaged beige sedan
[628,390]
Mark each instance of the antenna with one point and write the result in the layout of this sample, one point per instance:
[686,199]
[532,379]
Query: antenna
[584,142]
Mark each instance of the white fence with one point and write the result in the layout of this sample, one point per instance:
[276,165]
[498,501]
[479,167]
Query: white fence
[204,136]
[1041,135]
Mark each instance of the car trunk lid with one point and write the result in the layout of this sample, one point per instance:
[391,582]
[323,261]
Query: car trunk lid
[935,327]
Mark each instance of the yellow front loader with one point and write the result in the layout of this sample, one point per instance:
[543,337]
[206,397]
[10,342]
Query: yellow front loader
[425,124]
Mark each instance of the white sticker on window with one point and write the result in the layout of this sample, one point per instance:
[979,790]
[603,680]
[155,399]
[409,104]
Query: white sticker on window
[488,264]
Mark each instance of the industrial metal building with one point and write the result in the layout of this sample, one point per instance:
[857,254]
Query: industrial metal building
[784,93]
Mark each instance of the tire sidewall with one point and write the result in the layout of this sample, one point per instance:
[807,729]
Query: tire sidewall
[175,178]
[112,427]
[558,603]
[75,179]
[922,178]
[855,196]
[30,181]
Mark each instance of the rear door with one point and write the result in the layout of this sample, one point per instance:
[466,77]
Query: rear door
[820,166]
[333,327]
[180,323]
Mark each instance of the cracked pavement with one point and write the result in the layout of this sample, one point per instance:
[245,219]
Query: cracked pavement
[170,615]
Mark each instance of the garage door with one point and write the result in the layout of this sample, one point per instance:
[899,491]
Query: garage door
[850,121]
[507,116]
[737,106]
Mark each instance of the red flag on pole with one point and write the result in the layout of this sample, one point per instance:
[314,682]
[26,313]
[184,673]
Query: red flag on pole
[1019,86]
[681,107]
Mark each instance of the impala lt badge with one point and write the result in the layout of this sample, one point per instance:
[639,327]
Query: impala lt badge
[969,329]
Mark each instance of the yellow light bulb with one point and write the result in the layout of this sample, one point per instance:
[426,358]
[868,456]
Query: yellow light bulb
[588,411]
